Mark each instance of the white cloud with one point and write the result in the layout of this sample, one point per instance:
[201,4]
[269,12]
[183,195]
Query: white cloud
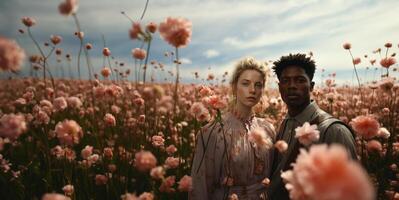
[211,53]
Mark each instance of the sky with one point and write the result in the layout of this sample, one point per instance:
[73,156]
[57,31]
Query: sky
[223,32]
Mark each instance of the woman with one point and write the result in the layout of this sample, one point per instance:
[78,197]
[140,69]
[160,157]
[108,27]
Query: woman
[227,163]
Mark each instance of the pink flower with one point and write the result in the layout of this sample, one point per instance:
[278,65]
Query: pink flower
[129,196]
[135,31]
[384,133]
[374,146]
[89,46]
[106,72]
[157,141]
[176,31]
[68,132]
[87,151]
[171,162]
[260,138]
[216,102]
[146,196]
[12,126]
[55,39]
[54,196]
[151,27]
[347,45]
[28,21]
[139,53]
[11,55]
[68,190]
[109,120]
[387,62]
[157,172]
[327,173]
[108,153]
[205,91]
[144,161]
[171,149]
[68,7]
[281,146]
[307,134]
[199,111]
[167,184]
[74,102]
[366,127]
[185,184]
[106,51]
[101,179]
[388,45]
[138,101]
[356,61]
[60,103]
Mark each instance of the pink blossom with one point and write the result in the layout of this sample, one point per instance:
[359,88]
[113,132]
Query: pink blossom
[68,132]
[356,61]
[74,102]
[216,102]
[141,119]
[138,101]
[57,151]
[347,45]
[260,138]
[56,39]
[135,31]
[281,146]
[185,184]
[105,72]
[139,53]
[205,91]
[109,119]
[374,146]
[68,7]
[366,127]
[307,134]
[146,196]
[60,103]
[12,126]
[87,151]
[176,31]
[384,133]
[199,111]
[167,184]
[54,196]
[101,179]
[144,161]
[151,27]
[157,172]
[327,173]
[157,140]
[129,196]
[108,153]
[106,51]
[171,162]
[387,62]
[171,149]
[68,190]
[11,55]
[28,21]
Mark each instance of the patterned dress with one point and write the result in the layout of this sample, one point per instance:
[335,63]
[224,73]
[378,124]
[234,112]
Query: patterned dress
[226,162]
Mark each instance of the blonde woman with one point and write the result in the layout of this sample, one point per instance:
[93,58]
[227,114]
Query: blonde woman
[228,162]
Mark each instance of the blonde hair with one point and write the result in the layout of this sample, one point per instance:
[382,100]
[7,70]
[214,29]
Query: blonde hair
[249,63]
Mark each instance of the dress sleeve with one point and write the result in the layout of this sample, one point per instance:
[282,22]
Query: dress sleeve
[340,134]
[202,172]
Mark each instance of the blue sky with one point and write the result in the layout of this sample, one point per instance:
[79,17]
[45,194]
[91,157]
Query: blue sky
[223,30]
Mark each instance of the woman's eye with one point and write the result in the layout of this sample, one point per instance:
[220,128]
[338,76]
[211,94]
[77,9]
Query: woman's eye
[259,85]
[245,83]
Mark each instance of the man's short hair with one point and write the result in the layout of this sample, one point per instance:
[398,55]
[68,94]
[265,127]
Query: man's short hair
[299,60]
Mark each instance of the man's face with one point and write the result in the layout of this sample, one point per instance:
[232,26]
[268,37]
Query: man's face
[295,87]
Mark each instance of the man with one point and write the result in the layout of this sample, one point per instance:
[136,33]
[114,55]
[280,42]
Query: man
[295,74]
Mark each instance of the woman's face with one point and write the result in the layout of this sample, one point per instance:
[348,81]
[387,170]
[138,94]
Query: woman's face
[249,88]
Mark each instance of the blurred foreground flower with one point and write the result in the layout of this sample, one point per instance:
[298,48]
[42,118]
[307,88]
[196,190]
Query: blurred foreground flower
[11,55]
[327,173]
[365,126]
[260,138]
[176,31]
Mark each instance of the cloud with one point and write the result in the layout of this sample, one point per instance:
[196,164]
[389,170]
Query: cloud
[211,53]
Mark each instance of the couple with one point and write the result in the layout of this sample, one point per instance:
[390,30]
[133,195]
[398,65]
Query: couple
[227,165]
